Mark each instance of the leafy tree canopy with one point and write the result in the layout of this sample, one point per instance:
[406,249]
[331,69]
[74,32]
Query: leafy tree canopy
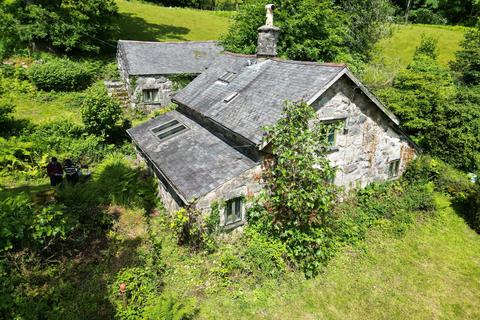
[443,119]
[315,30]
[65,25]
[453,11]
[467,63]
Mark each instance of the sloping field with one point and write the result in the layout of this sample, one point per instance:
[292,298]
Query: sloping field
[149,22]
[431,272]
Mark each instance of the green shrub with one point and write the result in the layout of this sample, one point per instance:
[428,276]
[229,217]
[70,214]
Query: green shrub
[115,181]
[6,117]
[16,215]
[445,178]
[195,231]
[169,307]
[142,286]
[62,75]
[100,112]
[473,213]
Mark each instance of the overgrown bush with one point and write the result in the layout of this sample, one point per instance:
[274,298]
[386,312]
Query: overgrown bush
[100,112]
[426,16]
[6,117]
[141,286]
[195,231]
[62,75]
[170,307]
[473,213]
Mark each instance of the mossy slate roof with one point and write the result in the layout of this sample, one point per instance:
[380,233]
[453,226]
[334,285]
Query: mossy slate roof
[167,58]
[262,86]
[195,161]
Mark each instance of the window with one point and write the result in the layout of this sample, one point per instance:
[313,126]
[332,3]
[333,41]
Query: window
[169,129]
[393,168]
[150,95]
[227,76]
[331,131]
[230,97]
[331,136]
[233,211]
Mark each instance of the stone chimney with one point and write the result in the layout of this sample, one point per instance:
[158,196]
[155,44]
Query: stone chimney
[268,36]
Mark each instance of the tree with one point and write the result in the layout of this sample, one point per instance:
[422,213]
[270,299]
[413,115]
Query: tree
[443,119]
[300,193]
[467,62]
[64,25]
[100,112]
[315,30]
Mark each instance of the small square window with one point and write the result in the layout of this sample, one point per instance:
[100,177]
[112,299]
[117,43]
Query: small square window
[393,168]
[233,211]
[150,95]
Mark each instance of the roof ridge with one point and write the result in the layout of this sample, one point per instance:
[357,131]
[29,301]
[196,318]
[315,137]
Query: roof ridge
[320,64]
[239,54]
[169,42]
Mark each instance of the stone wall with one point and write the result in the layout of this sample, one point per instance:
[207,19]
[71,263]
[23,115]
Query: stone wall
[161,83]
[246,185]
[367,142]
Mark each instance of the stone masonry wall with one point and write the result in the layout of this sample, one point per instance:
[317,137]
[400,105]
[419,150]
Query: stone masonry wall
[138,83]
[246,185]
[367,143]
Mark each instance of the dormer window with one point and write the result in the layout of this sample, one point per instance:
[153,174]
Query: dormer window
[169,129]
[150,95]
[227,77]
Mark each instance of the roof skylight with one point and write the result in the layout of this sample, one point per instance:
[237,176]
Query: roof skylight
[230,97]
[171,128]
[227,76]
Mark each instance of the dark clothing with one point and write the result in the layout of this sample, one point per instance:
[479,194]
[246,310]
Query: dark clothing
[55,172]
[54,168]
[55,180]
[71,174]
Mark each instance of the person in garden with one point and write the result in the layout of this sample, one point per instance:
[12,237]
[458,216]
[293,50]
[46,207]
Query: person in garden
[71,172]
[55,172]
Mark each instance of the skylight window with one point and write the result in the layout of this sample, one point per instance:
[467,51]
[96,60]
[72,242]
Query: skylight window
[230,97]
[227,76]
[169,129]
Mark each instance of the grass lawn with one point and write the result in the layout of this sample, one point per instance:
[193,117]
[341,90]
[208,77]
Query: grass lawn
[431,272]
[396,52]
[45,107]
[149,22]
[401,46]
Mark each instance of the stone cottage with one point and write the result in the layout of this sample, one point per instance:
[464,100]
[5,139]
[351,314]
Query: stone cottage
[149,69]
[211,147]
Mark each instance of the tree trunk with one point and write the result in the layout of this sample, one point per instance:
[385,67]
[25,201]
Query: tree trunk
[407,10]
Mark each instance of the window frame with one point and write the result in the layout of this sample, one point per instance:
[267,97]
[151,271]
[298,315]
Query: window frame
[333,124]
[227,76]
[394,169]
[155,97]
[231,205]
[174,125]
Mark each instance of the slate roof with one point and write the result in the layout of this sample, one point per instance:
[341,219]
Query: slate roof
[194,161]
[155,58]
[262,88]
